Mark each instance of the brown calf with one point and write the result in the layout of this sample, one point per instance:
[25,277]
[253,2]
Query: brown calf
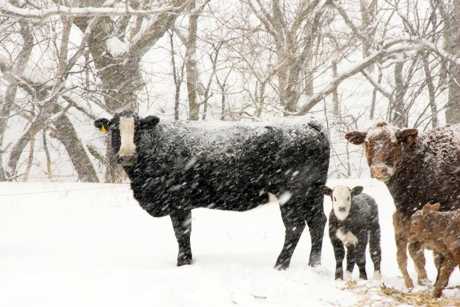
[440,232]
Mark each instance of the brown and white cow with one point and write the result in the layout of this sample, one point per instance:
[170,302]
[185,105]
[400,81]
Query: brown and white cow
[417,170]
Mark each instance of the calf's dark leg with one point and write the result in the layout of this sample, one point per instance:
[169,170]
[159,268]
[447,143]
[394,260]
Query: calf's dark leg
[182,224]
[351,259]
[294,226]
[361,254]
[339,253]
[316,220]
[374,247]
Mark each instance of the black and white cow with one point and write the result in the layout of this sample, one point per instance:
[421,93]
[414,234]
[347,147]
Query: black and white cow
[175,167]
[353,221]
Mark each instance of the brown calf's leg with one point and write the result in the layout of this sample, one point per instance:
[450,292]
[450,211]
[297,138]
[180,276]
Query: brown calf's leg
[416,252]
[401,247]
[447,267]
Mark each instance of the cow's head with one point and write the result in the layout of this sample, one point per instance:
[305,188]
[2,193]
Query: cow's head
[422,222]
[341,199]
[124,129]
[383,145]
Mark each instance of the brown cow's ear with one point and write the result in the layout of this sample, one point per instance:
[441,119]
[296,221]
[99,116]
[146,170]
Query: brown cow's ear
[407,135]
[356,137]
[326,190]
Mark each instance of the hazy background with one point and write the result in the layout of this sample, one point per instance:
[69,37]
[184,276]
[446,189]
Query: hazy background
[347,63]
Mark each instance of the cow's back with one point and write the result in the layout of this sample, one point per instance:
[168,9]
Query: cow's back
[431,173]
[227,166]
[442,165]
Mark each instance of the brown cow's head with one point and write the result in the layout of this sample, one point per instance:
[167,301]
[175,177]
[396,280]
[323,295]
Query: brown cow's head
[383,144]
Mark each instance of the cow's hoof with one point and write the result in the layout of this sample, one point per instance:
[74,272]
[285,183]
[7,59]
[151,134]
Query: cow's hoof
[282,266]
[409,284]
[314,261]
[437,293]
[424,282]
[184,261]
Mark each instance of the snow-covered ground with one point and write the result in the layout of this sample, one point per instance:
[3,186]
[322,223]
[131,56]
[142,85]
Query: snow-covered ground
[92,245]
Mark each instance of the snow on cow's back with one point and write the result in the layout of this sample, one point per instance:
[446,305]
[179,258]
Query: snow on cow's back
[442,149]
[217,137]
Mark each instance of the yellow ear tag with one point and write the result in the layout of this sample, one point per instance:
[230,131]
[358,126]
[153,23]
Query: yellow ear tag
[103,129]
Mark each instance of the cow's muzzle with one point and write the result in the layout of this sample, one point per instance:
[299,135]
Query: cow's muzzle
[382,172]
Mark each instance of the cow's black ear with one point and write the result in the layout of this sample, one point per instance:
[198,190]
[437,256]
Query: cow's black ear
[356,137]
[102,124]
[407,135]
[149,122]
[326,190]
[357,190]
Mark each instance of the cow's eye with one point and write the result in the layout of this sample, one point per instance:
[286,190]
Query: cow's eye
[348,198]
[335,199]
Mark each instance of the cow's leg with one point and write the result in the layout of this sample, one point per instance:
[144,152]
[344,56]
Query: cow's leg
[182,224]
[316,220]
[294,226]
[401,247]
[446,268]
[361,254]
[374,247]
[351,260]
[416,253]
[438,261]
[339,253]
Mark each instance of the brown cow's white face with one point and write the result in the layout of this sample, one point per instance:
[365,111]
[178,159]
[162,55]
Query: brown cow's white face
[383,145]
[124,129]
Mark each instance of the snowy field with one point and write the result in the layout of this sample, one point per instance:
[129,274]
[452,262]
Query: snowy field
[92,245]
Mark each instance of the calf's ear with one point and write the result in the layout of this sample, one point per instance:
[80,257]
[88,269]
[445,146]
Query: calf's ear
[149,122]
[357,190]
[356,137]
[407,135]
[102,124]
[326,190]
[431,208]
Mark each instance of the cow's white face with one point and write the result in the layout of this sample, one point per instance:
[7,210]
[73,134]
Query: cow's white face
[124,129]
[127,130]
[341,202]
[341,197]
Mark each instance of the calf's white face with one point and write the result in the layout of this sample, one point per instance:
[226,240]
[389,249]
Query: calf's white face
[341,197]
[341,202]
[127,146]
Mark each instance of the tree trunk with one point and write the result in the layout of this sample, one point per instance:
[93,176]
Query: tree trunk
[11,90]
[190,65]
[67,135]
[453,104]
[335,95]
[399,116]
